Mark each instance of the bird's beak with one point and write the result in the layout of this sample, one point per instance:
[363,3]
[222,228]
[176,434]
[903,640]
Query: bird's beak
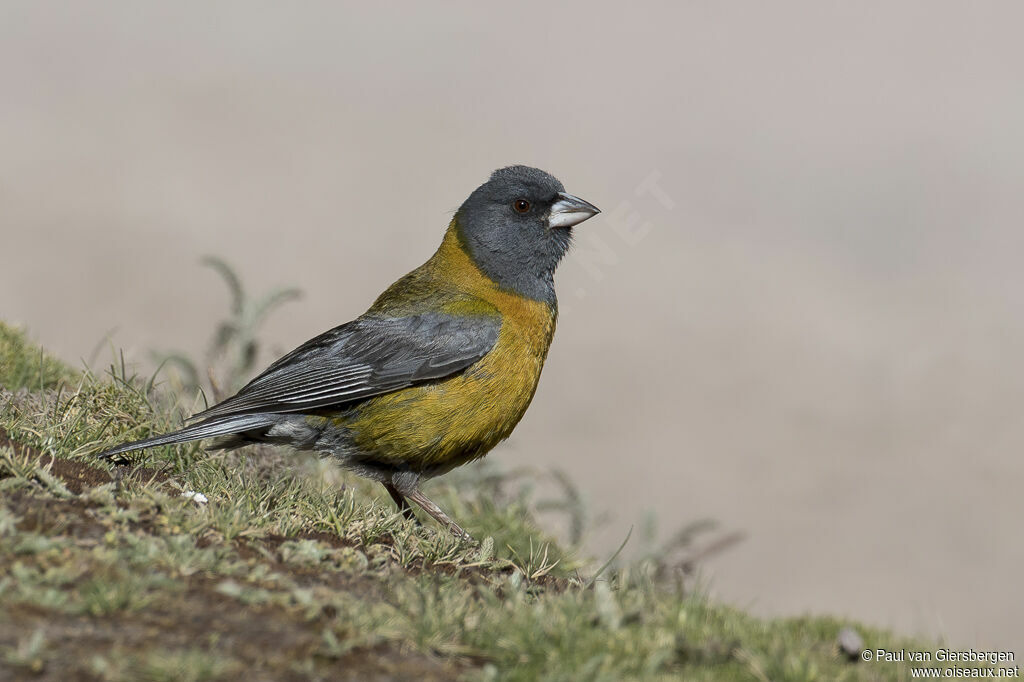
[569,210]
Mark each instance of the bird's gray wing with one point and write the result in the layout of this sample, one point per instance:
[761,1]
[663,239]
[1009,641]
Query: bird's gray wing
[366,357]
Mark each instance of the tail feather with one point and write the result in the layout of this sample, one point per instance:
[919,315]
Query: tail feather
[223,426]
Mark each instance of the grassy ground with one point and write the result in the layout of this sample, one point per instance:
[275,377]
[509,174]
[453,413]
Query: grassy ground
[292,570]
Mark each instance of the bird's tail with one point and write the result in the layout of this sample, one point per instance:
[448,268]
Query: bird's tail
[210,428]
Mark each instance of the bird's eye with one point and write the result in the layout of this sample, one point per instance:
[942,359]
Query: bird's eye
[521,205]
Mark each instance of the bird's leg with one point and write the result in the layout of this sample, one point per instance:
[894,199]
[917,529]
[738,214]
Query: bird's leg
[403,504]
[435,512]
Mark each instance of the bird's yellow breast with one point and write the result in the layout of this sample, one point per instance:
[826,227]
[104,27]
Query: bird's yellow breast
[439,425]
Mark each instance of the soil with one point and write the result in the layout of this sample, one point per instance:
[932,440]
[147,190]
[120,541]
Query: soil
[267,640]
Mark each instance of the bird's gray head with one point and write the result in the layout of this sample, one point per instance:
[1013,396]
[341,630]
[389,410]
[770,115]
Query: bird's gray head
[517,226]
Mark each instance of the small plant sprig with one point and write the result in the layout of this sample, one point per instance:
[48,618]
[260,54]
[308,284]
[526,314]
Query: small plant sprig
[235,345]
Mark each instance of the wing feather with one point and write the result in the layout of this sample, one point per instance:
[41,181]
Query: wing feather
[367,357]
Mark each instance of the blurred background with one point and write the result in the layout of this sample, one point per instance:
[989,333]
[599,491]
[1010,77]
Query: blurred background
[800,314]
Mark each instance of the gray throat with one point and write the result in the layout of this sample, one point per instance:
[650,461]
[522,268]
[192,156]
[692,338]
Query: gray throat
[511,274]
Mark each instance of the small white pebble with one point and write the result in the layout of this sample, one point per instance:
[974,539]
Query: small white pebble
[195,497]
[851,643]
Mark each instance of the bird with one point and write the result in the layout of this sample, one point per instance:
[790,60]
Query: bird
[440,368]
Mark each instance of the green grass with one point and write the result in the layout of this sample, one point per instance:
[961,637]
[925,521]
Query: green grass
[25,365]
[293,569]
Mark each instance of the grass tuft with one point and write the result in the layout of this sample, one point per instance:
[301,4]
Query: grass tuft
[23,364]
